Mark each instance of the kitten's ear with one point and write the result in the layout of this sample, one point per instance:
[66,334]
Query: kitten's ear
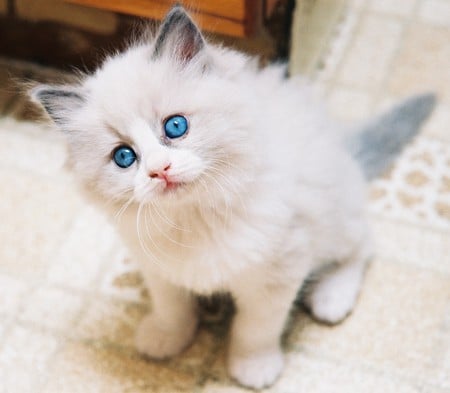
[58,101]
[178,36]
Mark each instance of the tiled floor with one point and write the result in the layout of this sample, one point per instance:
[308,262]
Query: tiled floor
[70,298]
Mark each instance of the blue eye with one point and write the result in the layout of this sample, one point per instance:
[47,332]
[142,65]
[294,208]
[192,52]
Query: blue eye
[175,126]
[124,156]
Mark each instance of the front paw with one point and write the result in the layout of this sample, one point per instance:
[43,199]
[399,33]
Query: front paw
[160,341]
[256,370]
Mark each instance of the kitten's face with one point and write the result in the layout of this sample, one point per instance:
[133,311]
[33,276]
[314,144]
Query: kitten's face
[157,123]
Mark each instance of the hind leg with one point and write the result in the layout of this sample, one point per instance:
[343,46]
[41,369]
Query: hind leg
[334,295]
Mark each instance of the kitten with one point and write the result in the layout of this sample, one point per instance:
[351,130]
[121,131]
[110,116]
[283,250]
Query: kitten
[227,178]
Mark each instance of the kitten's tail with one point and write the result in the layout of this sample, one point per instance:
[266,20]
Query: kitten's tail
[380,141]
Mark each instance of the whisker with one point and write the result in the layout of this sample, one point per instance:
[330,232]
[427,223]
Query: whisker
[146,250]
[122,210]
[225,199]
[167,220]
[234,190]
[163,233]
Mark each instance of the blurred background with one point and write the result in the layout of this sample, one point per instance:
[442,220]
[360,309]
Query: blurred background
[70,298]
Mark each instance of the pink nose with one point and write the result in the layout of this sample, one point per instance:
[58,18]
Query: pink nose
[159,174]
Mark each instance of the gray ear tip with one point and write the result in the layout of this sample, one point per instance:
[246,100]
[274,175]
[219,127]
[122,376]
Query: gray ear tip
[178,7]
[177,10]
[179,36]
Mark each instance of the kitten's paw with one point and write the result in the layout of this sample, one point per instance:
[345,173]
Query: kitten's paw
[331,303]
[160,342]
[256,370]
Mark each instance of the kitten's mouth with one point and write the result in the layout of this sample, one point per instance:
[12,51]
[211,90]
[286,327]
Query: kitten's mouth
[171,186]
[167,184]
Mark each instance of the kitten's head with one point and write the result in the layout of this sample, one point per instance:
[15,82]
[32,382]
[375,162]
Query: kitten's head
[163,120]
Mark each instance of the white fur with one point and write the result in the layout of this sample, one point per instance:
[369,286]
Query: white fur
[270,195]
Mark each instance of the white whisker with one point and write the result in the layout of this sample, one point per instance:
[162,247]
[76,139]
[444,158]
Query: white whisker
[164,234]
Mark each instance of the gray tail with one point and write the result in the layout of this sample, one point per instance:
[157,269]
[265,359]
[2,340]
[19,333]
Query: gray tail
[379,142]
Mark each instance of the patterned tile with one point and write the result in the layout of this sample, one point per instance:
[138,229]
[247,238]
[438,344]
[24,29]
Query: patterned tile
[416,188]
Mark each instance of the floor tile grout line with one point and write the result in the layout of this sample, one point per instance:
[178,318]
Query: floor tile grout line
[352,37]
[364,13]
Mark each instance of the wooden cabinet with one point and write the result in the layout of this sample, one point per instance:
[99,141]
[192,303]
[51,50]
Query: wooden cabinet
[239,18]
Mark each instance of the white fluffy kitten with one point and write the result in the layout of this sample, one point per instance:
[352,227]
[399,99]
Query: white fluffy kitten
[227,178]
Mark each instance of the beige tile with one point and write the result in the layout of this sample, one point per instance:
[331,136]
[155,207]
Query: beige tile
[89,369]
[24,359]
[406,243]
[394,327]
[36,214]
[398,7]
[435,12]
[349,104]
[12,292]
[369,56]
[422,62]
[90,243]
[438,124]
[53,308]
[110,320]
[306,374]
